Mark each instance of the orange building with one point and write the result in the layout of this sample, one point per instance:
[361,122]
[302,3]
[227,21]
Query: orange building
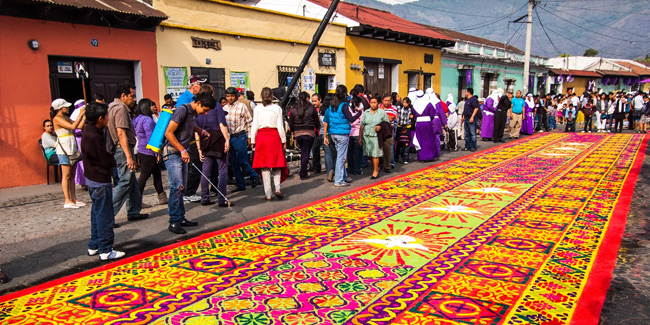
[40,44]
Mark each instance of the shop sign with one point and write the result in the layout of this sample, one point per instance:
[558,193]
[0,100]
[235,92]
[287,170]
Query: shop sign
[64,67]
[428,58]
[239,79]
[206,43]
[175,80]
[326,59]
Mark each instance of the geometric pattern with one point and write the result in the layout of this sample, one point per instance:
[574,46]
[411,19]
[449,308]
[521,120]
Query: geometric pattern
[509,235]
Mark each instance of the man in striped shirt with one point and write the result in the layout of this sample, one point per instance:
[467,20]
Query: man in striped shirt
[239,122]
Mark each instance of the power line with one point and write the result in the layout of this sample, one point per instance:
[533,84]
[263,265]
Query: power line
[568,21]
[604,10]
[574,41]
[540,45]
[513,34]
[544,29]
[486,24]
[595,22]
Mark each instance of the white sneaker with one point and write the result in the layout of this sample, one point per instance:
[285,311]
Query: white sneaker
[192,198]
[70,206]
[111,256]
[92,252]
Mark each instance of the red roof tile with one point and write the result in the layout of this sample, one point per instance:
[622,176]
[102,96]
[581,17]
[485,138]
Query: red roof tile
[640,70]
[617,73]
[381,19]
[474,39]
[576,73]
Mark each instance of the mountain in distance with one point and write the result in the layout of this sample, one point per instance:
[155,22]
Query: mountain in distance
[615,28]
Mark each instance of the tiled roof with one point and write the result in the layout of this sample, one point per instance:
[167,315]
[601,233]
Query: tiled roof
[133,7]
[576,73]
[617,73]
[640,69]
[474,39]
[382,19]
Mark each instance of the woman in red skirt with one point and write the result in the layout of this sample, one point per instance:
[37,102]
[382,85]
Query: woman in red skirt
[269,141]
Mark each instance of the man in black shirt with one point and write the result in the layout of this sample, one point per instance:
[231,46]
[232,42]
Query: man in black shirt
[470,110]
[500,117]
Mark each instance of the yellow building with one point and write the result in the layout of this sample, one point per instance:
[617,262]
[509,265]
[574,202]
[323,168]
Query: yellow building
[387,53]
[237,45]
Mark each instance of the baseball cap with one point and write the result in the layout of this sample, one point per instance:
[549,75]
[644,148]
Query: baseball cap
[193,78]
[60,103]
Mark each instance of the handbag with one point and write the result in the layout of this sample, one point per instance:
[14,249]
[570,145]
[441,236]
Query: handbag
[74,157]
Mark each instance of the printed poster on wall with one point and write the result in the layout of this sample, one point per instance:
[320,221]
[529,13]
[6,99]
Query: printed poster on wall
[239,79]
[331,83]
[175,80]
[308,83]
[380,71]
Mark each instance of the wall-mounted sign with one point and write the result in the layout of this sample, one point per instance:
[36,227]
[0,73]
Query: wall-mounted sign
[175,80]
[380,71]
[94,42]
[206,43]
[64,67]
[239,79]
[308,81]
[331,83]
[326,59]
[428,58]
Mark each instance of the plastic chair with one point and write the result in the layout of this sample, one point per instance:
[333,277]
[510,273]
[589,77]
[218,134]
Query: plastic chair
[47,168]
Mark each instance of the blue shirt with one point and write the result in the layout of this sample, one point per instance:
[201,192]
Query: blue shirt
[517,105]
[185,98]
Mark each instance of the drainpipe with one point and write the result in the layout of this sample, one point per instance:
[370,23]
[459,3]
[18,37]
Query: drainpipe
[310,51]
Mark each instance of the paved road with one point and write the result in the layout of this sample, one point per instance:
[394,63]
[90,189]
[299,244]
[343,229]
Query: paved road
[40,241]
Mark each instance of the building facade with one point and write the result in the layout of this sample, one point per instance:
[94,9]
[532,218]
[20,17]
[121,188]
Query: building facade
[42,42]
[239,45]
[486,65]
[597,74]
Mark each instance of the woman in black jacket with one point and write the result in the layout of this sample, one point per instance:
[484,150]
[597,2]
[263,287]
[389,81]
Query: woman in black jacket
[303,123]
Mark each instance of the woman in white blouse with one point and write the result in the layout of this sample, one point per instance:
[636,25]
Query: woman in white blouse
[269,141]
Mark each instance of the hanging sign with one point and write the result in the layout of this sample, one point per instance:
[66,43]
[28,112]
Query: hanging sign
[326,59]
[468,77]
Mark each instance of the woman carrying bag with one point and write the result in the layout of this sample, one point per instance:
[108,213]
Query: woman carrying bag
[66,147]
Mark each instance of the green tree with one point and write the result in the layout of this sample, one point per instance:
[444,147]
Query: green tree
[590,52]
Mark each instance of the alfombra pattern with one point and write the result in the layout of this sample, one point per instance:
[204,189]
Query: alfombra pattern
[505,236]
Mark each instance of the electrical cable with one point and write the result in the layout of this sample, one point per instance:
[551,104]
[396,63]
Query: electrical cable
[487,24]
[570,22]
[595,22]
[544,29]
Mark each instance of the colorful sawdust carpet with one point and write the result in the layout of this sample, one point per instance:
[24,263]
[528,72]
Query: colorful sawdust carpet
[525,233]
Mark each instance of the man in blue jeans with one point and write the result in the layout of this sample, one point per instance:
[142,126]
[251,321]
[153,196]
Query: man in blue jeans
[469,119]
[239,121]
[123,136]
[180,133]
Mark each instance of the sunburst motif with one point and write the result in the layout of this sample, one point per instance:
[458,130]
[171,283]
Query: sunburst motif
[565,148]
[449,209]
[488,191]
[392,244]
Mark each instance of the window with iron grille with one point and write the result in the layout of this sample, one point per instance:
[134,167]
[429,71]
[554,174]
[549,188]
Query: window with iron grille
[285,73]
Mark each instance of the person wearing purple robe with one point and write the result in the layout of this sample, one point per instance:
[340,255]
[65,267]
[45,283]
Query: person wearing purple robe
[490,108]
[423,138]
[528,124]
[439,122]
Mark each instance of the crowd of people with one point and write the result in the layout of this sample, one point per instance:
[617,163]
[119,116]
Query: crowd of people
[209,142]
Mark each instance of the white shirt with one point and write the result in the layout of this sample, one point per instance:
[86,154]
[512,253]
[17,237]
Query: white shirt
[268,117]
[575,101]
[638,102]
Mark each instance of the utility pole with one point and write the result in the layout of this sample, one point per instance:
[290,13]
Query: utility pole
[310,50]
[529,35]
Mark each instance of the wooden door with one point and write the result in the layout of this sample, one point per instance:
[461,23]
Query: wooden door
[106,75]
[377,77]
